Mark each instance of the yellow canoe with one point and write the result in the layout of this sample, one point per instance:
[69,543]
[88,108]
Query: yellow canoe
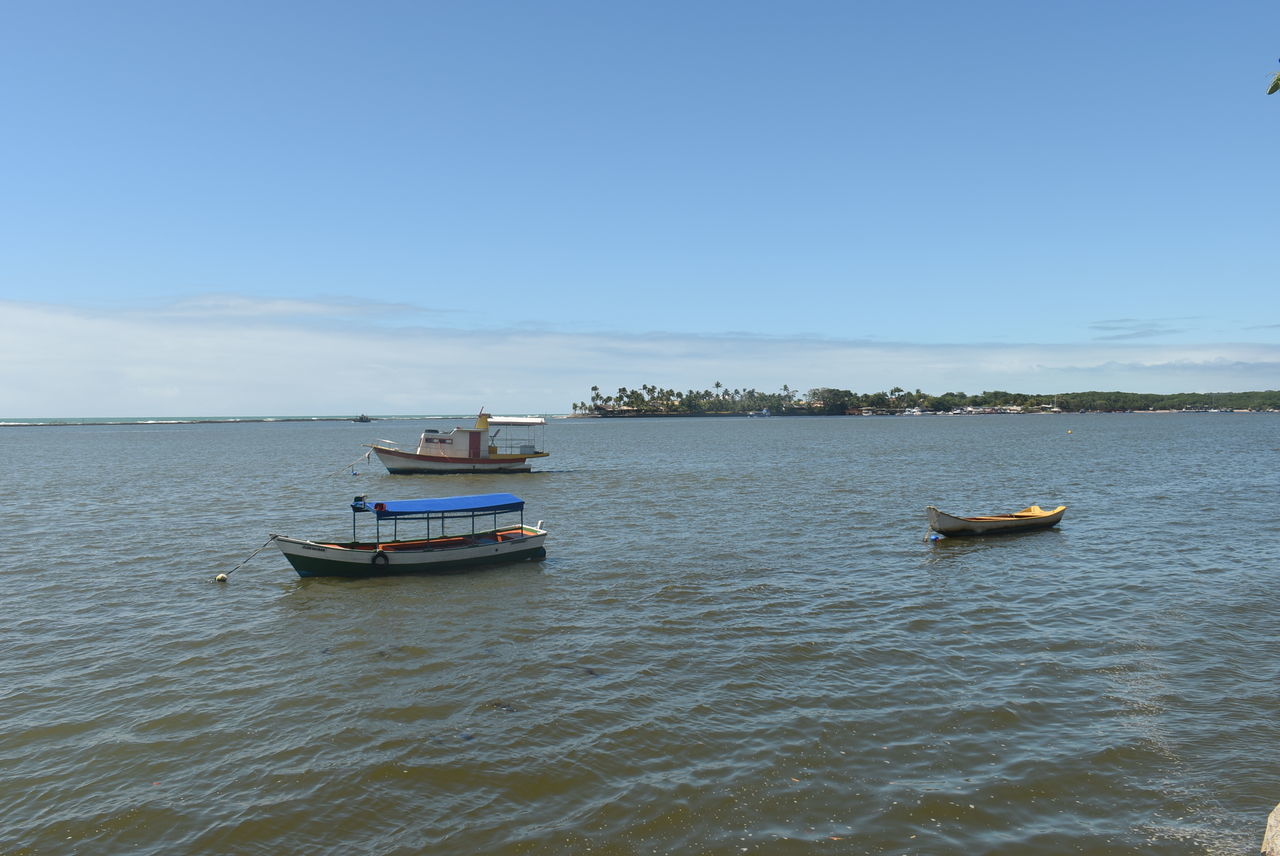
[1032,517]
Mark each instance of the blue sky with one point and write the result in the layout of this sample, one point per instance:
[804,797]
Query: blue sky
[251,208]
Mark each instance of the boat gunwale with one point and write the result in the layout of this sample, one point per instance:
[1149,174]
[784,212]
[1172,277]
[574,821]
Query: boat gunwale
[427,545]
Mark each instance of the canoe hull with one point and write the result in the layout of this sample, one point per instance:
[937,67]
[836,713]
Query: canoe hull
[1027,520]
[360,560]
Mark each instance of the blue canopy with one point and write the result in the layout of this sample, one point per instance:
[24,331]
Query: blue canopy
[450,505]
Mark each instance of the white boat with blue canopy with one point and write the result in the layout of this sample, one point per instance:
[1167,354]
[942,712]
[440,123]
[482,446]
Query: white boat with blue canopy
[461,532]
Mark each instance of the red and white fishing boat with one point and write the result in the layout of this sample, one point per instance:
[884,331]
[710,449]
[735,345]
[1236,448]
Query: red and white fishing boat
[482,448]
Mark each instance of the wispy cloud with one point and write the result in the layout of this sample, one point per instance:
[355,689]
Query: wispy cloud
[242,309]
[1119,329]
[317,358]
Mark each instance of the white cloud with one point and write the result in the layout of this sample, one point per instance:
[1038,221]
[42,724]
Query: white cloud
[301,358]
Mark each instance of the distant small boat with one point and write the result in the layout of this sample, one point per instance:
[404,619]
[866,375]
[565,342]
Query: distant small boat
[363,417]
[461,531]
[1033,517]
[762,412]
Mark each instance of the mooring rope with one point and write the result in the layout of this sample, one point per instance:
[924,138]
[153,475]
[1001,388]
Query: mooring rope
[352,466]
[222,578]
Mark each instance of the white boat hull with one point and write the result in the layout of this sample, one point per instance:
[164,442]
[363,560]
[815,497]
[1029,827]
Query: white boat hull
[400,463]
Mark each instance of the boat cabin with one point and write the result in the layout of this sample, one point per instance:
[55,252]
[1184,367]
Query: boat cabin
[510,437]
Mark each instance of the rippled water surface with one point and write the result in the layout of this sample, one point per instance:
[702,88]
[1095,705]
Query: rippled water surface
[741,641]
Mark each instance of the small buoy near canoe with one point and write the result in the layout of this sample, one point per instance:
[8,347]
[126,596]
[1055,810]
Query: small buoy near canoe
[221,578]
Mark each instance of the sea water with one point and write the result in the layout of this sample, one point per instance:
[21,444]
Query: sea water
[743,640]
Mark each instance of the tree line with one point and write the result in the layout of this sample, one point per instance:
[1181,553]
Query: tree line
[657,401]
[649,400]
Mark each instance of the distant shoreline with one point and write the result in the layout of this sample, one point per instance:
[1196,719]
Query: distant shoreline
[143,422]
[986,412]
[203,420]
[656,401]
